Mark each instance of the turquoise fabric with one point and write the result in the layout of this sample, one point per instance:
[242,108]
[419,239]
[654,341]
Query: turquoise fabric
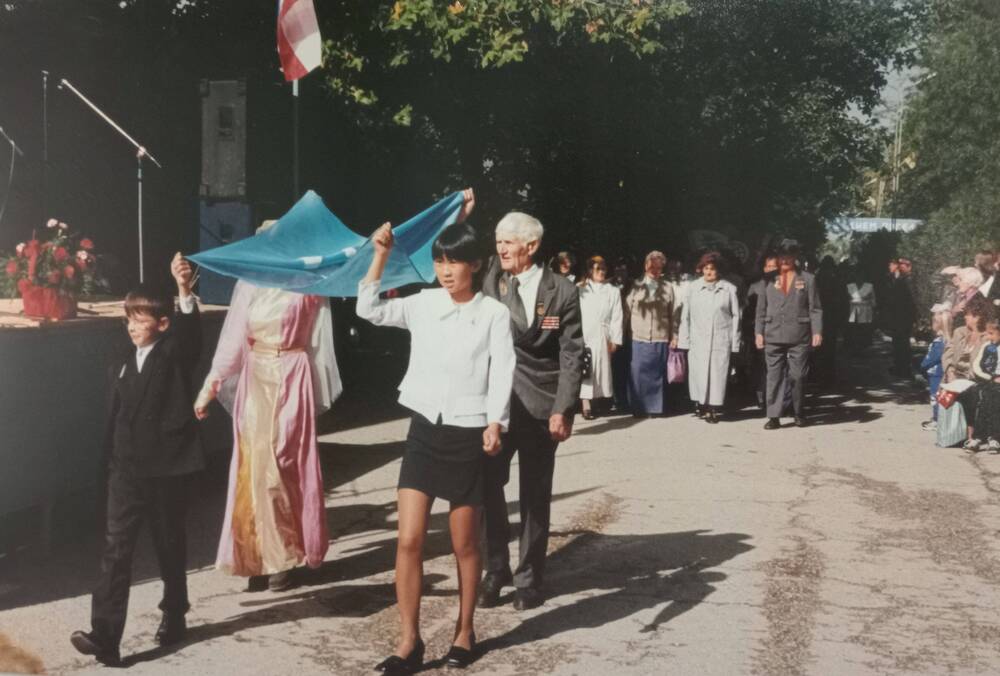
[310,250]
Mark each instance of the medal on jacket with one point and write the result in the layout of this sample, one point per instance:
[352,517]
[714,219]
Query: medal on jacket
[540,309]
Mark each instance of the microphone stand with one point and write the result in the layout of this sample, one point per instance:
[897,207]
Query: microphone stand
[14,152]
[140,153]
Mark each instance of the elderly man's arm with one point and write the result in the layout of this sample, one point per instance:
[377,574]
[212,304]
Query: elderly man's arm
[815,314]
[761,317]
[570,368]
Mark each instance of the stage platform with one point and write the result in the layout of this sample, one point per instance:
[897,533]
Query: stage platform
[54,397]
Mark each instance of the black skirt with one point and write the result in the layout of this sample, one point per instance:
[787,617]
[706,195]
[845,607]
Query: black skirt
[444,461]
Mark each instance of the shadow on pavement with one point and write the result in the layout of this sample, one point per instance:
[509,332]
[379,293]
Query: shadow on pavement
[624,575]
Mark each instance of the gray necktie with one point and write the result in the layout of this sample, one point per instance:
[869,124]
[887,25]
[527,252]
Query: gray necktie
[517,313]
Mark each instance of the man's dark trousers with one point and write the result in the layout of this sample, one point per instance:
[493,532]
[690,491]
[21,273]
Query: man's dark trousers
[787,370]
[536,453]
[902,355]
[162,501]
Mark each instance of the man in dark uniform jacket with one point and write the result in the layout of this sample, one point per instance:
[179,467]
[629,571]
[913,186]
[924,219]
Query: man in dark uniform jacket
[899,312]
[154,449]
[548,342]
[789,322]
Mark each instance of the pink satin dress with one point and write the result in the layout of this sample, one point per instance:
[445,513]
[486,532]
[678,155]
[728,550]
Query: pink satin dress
[275,514]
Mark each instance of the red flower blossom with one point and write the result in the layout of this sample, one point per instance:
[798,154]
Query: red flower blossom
[69,272]
[23,285]
[11,267]
[31,248]
[54,277]
[86,244]
[60,254]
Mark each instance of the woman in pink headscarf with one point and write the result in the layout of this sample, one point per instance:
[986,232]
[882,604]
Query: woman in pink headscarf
[276,350]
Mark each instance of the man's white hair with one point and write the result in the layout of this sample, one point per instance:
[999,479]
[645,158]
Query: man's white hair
[521,227]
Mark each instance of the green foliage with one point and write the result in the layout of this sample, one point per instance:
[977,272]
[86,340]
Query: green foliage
[953,133]
[625,125]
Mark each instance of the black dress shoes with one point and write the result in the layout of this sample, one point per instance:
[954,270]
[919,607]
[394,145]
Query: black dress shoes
[87,643]
[772,424]
[394,665]
[458,657]
[172,629]
[282,581]
[801,422]
[527,598]
[490,588]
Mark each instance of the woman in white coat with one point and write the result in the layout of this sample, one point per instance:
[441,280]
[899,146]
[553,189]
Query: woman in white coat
[710,331]
[601,315]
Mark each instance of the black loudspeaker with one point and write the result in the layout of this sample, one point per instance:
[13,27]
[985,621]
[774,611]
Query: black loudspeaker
[223,139]
[221,223]
[245,166]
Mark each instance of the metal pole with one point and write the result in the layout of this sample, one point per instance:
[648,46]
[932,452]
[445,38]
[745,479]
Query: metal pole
[295,140]
[140,153]
[138,159]
[45,144]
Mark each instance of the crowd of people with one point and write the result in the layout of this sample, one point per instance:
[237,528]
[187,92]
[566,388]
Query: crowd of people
[504,352]
[961,362]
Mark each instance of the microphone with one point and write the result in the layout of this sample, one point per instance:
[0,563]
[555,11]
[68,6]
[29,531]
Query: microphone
[11,141]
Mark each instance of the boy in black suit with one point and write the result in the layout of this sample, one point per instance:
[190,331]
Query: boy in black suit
[154,450]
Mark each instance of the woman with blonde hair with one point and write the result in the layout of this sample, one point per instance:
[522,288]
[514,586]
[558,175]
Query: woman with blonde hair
[931,364]
[601,314]
[968,281]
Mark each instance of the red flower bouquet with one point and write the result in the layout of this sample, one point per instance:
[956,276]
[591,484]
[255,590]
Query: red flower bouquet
[50,275]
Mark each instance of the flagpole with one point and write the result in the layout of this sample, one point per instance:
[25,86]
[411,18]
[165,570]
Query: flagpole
[295,141]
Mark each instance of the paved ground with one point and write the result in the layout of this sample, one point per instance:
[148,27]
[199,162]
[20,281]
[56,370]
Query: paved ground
[852,547]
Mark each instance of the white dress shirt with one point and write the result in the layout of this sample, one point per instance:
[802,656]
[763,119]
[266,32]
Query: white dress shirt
[987,285]
[461,354]
[527,289]
[187,307]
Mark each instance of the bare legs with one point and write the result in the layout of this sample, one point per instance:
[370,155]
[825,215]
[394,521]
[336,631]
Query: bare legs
[463,522]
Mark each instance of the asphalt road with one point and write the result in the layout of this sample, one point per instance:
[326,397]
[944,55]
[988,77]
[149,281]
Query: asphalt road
[854,546]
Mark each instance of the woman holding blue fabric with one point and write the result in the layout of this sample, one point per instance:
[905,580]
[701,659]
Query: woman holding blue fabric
[458,387]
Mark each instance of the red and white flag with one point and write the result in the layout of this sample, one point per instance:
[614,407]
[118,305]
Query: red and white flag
[299,44]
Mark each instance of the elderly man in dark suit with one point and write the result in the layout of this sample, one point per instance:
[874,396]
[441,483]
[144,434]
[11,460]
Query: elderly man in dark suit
[788,313]
[548,342]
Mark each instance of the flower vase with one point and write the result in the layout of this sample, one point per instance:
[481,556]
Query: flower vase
[47,303]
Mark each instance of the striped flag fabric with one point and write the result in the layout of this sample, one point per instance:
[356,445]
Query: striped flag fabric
[300,47]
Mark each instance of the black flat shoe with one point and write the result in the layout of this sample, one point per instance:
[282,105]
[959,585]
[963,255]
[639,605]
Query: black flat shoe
[282,581]
[699,412]
[527,598]
[394,664]
[490,588]
[772,424]
[801,422]
[711,417]
[172,629]
[459,657]
[588,415]
[87,643]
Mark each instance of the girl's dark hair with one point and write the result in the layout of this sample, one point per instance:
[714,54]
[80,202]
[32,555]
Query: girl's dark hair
[458,242]
[146,300]
[461,243]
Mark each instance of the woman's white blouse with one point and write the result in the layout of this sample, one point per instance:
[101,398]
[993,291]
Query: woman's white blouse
[461,355]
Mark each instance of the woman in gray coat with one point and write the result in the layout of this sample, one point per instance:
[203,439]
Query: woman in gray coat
[710,331]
